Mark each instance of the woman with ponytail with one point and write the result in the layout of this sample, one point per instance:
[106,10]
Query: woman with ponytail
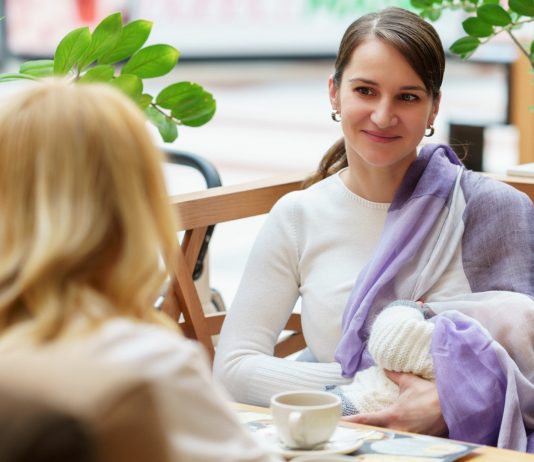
[385,221]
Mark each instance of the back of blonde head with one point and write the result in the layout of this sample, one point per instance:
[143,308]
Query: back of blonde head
[85,218]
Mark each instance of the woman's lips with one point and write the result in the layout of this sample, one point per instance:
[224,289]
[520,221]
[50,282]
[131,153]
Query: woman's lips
[381,137]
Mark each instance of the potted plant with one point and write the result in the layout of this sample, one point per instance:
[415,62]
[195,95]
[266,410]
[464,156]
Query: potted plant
[114,53]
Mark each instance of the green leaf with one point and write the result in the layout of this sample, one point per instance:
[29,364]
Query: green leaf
[9,76]
[195,110]
[70,49]
[144,101]
[152,61]
[100,73]
[129,84]
[495,15]
[523,7]
[174,94]
[490,2]
[132,37]
[432,15]
[476,27]
[166,127]
[421,4]
[38,68]
[532,50]
[465,46]
[103,39]
[189,103]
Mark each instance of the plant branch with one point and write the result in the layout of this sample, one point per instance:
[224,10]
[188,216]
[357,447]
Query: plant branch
[521,47]
[174,119]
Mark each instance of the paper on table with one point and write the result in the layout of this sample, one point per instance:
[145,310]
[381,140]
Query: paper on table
[377,445]
[522,170]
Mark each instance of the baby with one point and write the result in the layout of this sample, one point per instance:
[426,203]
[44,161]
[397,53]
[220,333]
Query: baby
[399,341]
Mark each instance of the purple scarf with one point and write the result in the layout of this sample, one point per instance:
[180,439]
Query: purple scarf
[486,395]
[420,199]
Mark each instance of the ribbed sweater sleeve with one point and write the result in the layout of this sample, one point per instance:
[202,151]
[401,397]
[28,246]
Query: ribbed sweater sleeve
[265,299]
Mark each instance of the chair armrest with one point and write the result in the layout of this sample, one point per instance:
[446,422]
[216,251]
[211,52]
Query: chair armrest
[227,203]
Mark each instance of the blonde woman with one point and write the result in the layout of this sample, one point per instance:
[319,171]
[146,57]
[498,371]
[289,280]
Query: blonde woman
[85,226]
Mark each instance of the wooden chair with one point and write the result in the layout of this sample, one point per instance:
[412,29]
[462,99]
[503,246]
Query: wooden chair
[200,210]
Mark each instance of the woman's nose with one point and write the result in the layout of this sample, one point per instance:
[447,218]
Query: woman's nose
[383,115]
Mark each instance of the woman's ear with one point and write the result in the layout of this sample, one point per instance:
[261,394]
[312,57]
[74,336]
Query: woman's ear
[332,91]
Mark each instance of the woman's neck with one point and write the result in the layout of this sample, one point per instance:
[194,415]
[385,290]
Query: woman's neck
[373,184]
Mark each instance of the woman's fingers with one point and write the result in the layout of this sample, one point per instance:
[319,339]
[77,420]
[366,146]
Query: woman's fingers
[416,410]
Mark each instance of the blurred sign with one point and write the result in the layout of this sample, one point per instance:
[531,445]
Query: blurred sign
[198,28]
[254,28]
[35,27]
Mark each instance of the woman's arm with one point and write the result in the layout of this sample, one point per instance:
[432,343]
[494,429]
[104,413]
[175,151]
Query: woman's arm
[266,296]
[497,261]
[201,425]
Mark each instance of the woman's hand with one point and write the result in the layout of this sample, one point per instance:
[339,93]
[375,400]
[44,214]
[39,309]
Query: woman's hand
[417,409]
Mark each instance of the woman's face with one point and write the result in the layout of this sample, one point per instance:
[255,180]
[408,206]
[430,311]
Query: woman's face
[384,107]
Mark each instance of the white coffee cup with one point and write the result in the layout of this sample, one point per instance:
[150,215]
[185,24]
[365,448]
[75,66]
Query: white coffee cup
[305,418]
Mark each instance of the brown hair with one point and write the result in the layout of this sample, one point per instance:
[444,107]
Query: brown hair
[86,221]
[409,34]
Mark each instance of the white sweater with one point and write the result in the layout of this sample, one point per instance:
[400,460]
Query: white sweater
[313,245]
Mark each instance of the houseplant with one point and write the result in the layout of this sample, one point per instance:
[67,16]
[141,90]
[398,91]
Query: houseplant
[487,18]
[113,52]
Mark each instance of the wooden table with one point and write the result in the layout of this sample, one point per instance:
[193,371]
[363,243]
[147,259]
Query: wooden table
[482,453]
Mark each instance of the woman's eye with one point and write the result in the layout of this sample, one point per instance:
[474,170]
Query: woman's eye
[364,90]
[408,97]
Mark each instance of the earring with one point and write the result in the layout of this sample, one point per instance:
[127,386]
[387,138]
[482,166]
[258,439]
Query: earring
[431,132]
[336,116]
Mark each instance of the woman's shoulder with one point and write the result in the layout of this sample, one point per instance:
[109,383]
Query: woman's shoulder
[487,192]
[131,340]
[313,197]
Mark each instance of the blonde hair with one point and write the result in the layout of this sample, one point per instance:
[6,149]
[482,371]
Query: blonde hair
[84,211]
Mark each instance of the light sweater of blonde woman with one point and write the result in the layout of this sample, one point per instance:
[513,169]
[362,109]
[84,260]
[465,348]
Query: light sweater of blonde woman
[201,427]
[313,245]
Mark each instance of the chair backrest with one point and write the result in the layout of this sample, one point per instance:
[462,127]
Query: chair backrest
[200,210]
[99,412]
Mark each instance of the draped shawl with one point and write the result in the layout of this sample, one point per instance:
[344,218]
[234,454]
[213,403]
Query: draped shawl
[464,244]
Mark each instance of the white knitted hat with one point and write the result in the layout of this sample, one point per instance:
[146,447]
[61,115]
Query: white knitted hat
[400,341]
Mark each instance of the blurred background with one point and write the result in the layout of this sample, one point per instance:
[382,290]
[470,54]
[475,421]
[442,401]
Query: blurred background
[267,63]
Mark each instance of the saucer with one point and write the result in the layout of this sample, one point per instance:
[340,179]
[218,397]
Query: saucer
[344,440]
[327,458]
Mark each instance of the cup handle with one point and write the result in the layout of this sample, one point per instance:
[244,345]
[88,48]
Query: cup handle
[295,427]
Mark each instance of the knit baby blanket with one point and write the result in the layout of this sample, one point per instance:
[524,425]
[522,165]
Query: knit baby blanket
[464,244]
